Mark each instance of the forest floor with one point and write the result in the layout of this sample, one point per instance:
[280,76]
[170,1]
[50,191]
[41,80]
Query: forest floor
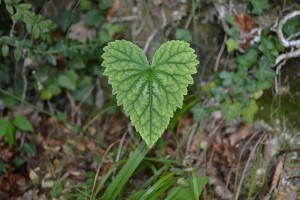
[62,156]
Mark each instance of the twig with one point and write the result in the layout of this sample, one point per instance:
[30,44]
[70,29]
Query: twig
[245,147]
[291,54]
[149,39]
[99,167]
[12,30]
[220,54]
[124,19]
[93,119]
[77,4]
[285,42]
[247,165]
[278,69]
[288,150]
[73,105]
[190,139]
[153,34]
[119,149]
[294,35]
[77,108]
[222,16]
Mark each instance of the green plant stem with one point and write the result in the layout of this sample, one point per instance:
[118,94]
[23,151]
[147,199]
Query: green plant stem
[125,173]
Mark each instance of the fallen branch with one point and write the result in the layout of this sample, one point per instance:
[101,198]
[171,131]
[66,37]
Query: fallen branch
[285,42]
[284,56]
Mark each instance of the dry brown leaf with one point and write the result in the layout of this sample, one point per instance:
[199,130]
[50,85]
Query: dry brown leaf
[47,184]
[276,176]
[91,146]
[223,192]
[106,168]
[242,133]
[80,32]
[13,183]
[169,151]
[29,195]
[220,189]
[33,177]
[228,152]
[271,147]
[115,7]
[6,154]
[246,25]
[42,197]
[116,127]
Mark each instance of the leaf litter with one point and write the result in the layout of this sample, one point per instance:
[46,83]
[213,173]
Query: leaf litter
[218,150]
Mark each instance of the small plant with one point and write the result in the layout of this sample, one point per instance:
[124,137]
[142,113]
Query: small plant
[8,128]
[150,93]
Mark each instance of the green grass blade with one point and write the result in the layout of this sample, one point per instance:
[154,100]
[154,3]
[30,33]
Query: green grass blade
[188,192]
[195,186]
[127,170]
[157,186]
[166,185]
[104,179]
[155,176]
[253,179]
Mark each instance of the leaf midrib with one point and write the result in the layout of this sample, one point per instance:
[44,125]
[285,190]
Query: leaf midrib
[150,106]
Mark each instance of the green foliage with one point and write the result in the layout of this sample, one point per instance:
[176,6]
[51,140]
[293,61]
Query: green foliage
[105,4]
[35,24]
[39,41]
[30,148]
[127,170]
[232,45]
[201,112]
[65,19]
[22,123]
[3,167]
[234,32]
[163,184]
[258,6]
[17,54]
[18,162]
[7,129]
[237,91]
[149,94]
[249,111]
[111,29]
[69,80]
[247,60]
[94,18]
[192,190]
[291,26]
[231,110]
[5,50]
[183,34]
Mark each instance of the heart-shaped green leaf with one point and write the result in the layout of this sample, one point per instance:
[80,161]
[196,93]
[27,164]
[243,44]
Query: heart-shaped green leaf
[149,94]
